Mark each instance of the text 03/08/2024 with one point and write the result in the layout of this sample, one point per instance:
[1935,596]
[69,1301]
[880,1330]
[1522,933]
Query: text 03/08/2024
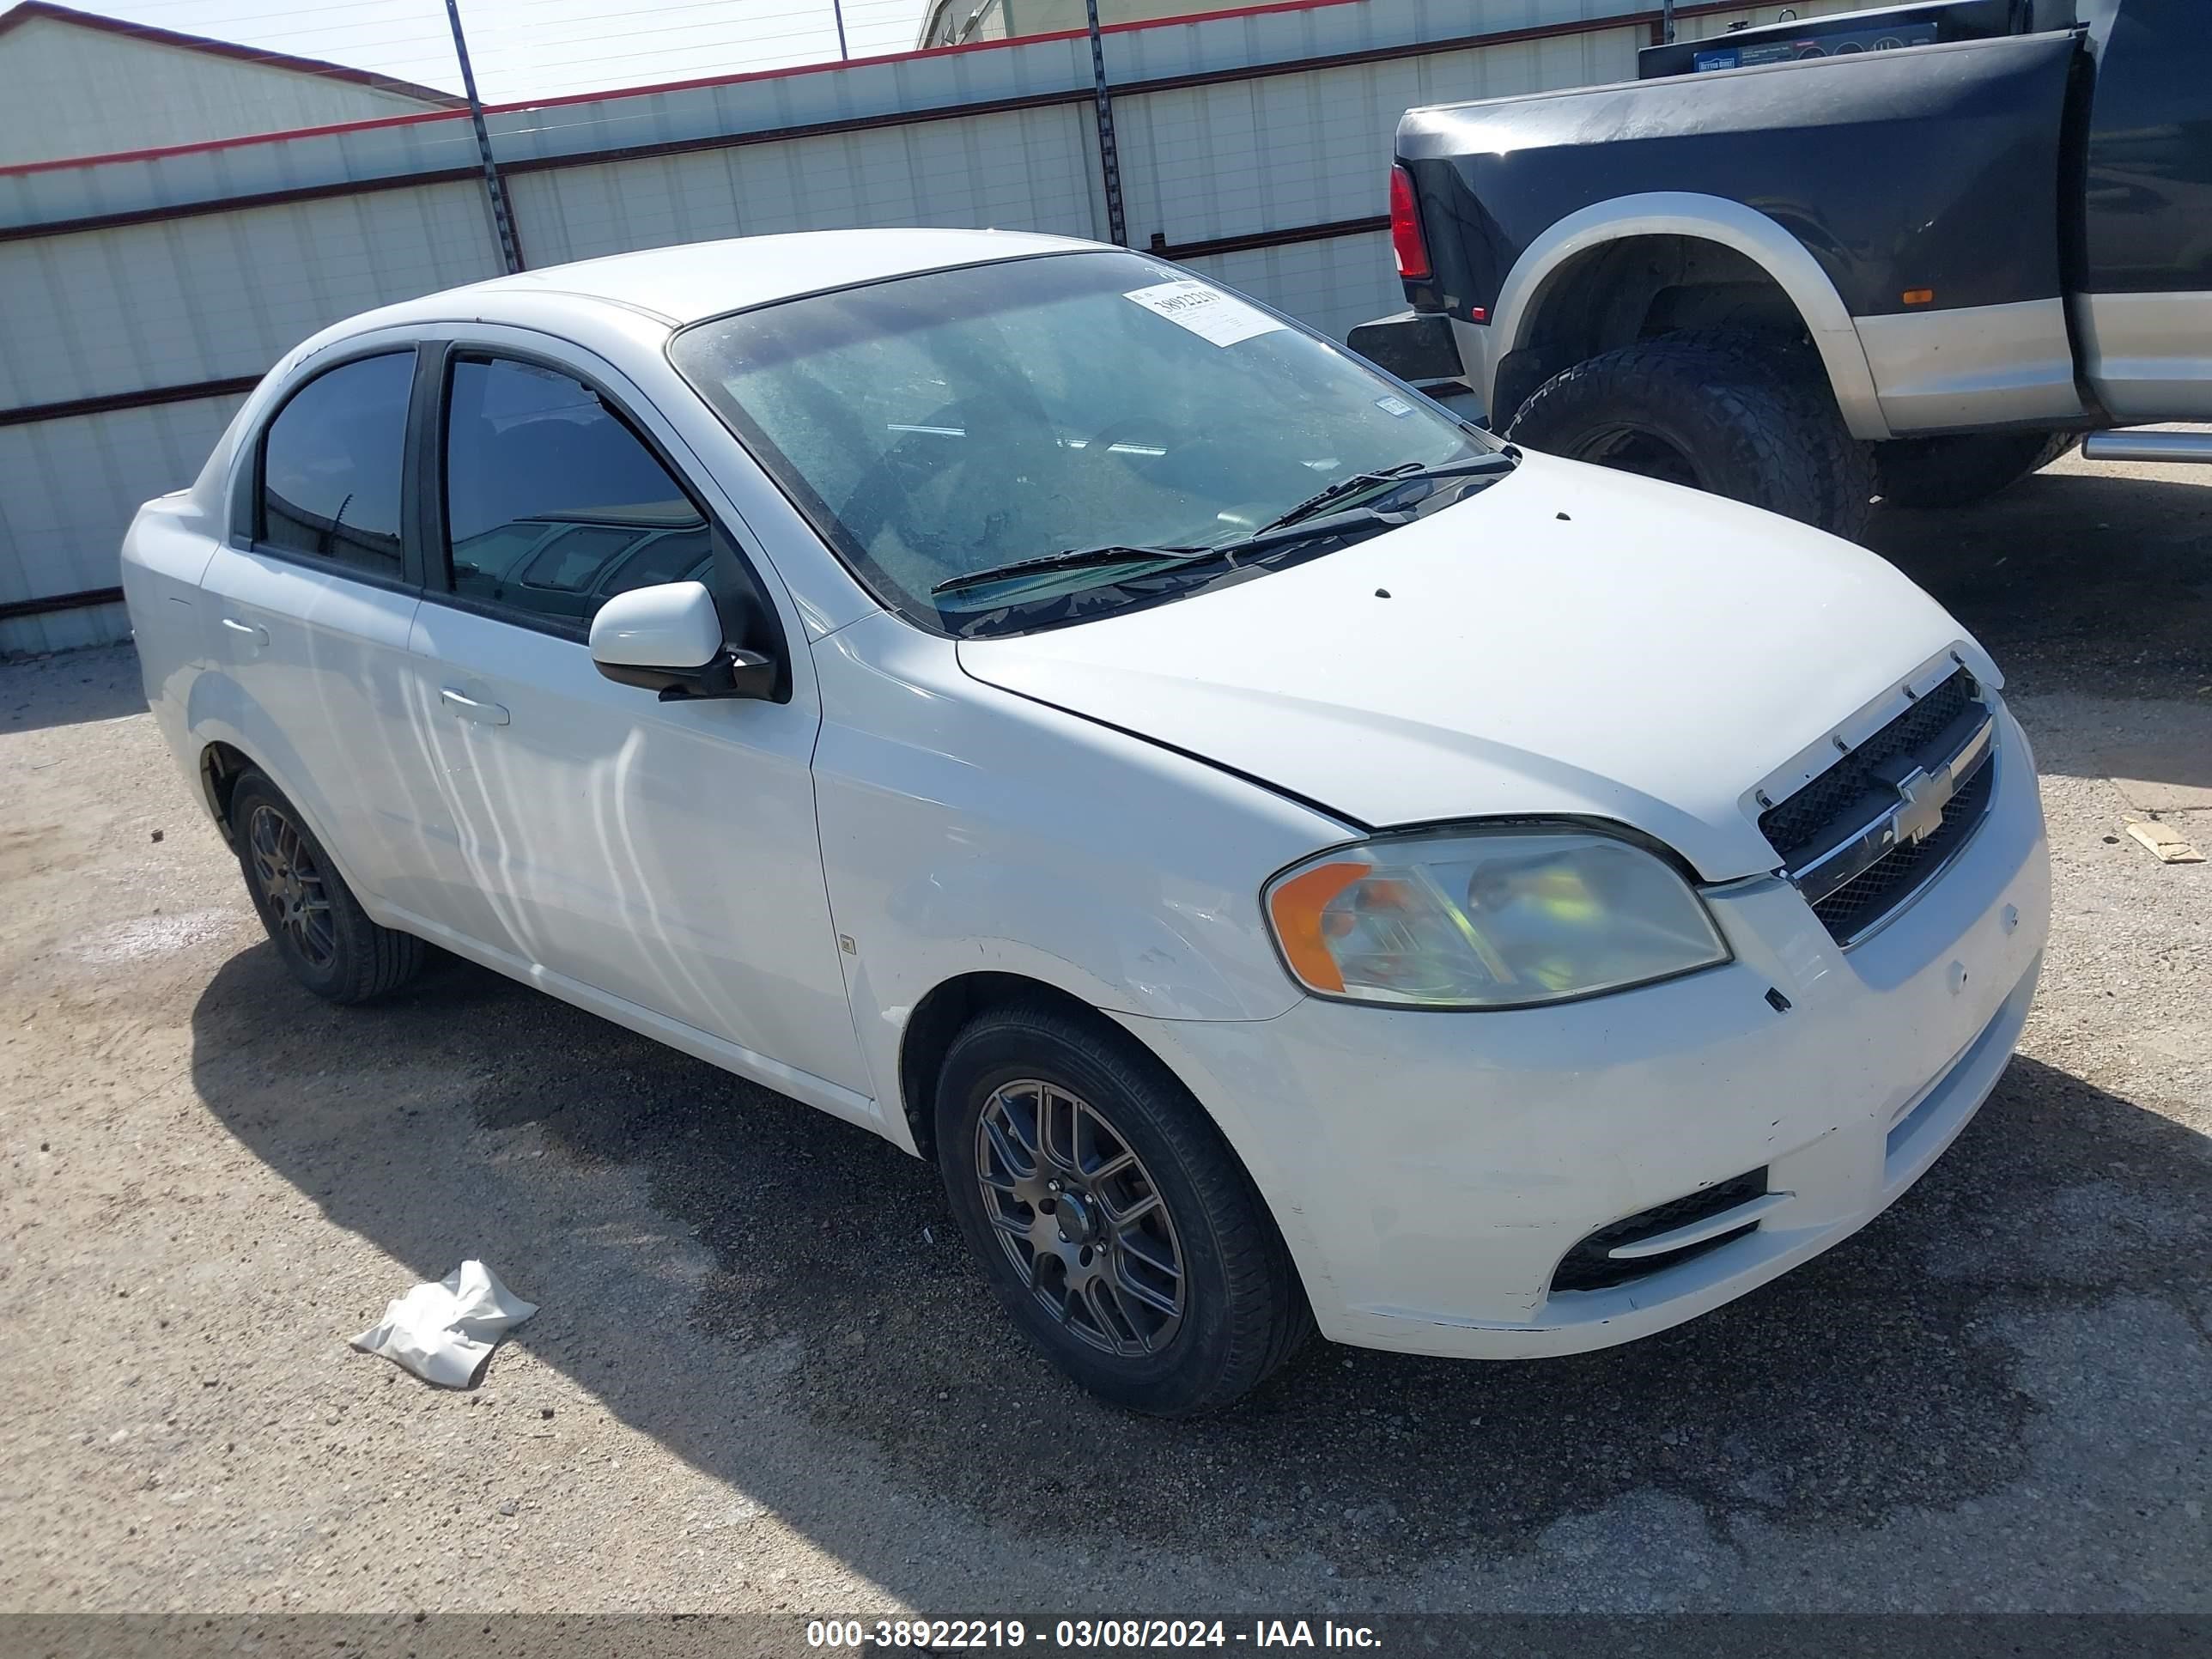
[1086,1634]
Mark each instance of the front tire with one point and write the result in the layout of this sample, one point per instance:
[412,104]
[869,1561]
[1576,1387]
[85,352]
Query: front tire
[1961,470]
[1729,414]
[326,939]
[1113,1223]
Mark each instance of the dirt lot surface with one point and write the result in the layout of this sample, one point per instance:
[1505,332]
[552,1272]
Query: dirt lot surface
[765,1376]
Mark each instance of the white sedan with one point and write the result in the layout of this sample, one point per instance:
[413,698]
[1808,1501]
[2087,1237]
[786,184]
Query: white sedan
[1290,858]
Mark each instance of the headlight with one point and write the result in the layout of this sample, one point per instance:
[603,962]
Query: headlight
[1488,919]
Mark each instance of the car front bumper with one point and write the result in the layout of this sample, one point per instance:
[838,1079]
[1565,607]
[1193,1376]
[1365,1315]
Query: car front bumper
[1432,1169]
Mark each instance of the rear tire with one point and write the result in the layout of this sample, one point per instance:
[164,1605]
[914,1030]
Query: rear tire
[1133,1248]
[326,939]
[1734,414]
[1960,470]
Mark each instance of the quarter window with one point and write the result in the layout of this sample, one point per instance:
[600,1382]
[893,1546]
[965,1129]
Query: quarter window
[330,465]
[552,503]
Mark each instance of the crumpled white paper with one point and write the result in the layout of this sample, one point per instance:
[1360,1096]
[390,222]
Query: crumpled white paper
[444,1333]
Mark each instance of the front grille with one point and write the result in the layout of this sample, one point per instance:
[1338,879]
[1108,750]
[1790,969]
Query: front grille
[1874,891]
[1797,824]
[1855,809]
[1586,1266]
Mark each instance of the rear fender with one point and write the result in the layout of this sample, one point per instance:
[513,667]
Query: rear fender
[218,710]
[1714,219]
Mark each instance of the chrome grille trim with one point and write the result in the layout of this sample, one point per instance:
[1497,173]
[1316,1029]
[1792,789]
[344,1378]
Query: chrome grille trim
[1922,796]
[1898,809]
[1902,898]
[1821,797]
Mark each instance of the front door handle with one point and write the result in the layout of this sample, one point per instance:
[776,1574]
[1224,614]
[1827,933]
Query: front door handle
[472,708]
[258,635]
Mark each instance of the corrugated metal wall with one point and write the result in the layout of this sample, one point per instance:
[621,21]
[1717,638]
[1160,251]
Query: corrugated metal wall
[151,93]
[68,488]
[218,295]
[145,293]
[1030,169]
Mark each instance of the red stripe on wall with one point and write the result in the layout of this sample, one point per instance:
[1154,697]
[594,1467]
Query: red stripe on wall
[742,77]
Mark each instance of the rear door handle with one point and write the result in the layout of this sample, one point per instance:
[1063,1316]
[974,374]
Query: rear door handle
[258,635]
[472,708]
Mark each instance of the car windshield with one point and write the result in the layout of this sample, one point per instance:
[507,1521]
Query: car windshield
[941,425]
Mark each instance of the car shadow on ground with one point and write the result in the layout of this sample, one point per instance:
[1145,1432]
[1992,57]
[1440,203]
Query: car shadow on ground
[2102,580]
[1871,1380]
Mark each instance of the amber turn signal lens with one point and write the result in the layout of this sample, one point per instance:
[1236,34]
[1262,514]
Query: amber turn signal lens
[1296,907]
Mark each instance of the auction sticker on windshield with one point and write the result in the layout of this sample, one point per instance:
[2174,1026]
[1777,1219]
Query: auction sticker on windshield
[1205,312]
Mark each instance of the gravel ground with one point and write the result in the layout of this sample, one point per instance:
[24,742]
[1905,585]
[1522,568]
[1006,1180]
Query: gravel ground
[765,1377]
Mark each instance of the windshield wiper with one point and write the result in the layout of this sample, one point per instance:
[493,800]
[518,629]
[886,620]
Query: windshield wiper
[1275,532]
[1406,473]
[1354,521]
[1073,558]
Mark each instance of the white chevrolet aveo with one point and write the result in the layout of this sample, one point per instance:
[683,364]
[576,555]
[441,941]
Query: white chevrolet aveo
[1290,859]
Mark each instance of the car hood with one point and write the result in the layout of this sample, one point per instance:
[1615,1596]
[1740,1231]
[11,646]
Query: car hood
[1569,641]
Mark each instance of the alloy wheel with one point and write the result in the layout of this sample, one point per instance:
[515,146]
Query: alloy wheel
[1080,1217]
[292,886]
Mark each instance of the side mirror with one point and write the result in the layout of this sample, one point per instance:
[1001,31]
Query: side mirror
[669,638]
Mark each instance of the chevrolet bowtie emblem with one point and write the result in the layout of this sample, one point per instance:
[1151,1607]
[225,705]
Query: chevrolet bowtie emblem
[1924,795]
[1904,808]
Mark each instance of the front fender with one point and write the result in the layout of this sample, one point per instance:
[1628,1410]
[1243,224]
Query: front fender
[1104,948]
[967,828]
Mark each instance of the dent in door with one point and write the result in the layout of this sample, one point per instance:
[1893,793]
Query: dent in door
[448,887]
[662,853]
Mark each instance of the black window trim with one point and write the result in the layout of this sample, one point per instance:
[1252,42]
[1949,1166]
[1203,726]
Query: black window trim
[439,357]
[247,484]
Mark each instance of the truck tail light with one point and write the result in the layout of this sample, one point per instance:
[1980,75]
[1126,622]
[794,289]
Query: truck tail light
[1405,241]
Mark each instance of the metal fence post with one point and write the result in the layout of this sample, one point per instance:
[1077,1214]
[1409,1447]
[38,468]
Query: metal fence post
[502,217]
[1110,163]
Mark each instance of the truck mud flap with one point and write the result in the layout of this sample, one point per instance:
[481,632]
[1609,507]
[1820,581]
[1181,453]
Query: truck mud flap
[1414,345]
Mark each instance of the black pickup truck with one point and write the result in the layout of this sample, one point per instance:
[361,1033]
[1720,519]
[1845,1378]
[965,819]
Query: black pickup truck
[1913,253]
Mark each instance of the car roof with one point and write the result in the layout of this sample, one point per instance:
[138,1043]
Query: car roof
[692,280]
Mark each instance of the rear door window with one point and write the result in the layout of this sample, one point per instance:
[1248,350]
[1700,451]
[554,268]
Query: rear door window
[331,463]
[552,501]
